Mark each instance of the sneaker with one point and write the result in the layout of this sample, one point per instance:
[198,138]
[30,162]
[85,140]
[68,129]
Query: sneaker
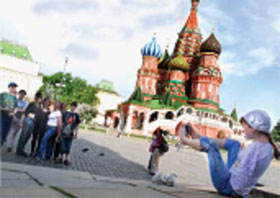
[152,171]
[66,162]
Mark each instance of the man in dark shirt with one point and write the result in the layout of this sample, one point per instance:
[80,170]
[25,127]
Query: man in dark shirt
[40,126]
[27,122]
[70,131]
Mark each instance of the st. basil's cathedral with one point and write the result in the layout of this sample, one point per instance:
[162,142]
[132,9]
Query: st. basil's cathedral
[181,86]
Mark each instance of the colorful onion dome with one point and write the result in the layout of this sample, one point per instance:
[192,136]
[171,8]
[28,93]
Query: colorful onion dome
[211,45]
[179,62]
[163,64]
[152,49]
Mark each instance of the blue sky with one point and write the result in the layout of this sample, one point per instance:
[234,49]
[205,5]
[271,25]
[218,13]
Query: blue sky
[103,40]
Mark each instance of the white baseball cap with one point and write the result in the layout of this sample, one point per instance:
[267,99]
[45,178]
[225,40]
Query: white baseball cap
[259,120]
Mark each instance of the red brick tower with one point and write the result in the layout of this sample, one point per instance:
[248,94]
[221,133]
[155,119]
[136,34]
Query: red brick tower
[207,77]
[147,77]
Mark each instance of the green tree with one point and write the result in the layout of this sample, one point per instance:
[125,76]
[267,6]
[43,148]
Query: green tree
[137,95]
[86,112]
[234,115]
[68,89]
[167,100]
[276,132]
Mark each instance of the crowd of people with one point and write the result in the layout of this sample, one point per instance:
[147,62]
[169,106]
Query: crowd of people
[47,124]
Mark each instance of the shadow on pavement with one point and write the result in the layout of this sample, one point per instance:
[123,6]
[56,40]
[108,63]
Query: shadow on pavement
[89,157]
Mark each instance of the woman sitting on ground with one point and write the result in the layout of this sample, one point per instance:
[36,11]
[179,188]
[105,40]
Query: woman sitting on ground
[244,168]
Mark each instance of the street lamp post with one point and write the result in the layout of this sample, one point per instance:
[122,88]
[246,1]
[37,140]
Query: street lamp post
[62,83]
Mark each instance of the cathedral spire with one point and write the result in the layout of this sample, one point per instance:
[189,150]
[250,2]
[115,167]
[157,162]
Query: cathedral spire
[195,4]
[190,37]
[192,22]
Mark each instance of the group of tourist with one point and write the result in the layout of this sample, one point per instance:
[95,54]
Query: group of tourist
[49,124]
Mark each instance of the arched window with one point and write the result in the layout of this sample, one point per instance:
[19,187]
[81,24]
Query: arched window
[169,115]
[224,119]
[180,112]
[140,121]
[189,110]
[116,122]
[154,116]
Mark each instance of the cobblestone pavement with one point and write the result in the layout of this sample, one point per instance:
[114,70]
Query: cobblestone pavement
[119,157]
[126,157]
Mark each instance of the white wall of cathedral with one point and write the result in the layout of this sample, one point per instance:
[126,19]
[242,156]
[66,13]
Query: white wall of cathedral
[196,116]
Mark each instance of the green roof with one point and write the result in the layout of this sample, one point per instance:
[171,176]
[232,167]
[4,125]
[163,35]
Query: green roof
[106,86]
[16,50]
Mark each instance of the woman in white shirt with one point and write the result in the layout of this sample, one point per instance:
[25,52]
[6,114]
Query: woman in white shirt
[54,124]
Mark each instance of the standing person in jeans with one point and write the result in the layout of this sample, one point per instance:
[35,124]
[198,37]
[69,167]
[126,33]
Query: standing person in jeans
[19,112]
[8,103]
[54,124]
[57,138]
[40,126]
[70,131]
[27,122]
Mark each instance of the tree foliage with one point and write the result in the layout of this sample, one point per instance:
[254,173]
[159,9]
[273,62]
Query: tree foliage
[276,132]
[234,115]
[137,95]
[167,100]
[67,88]
[86,112]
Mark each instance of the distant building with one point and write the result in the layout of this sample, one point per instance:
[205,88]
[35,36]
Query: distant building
[16,65]
[108,98]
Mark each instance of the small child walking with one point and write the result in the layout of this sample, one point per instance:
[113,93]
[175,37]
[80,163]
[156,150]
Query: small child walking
[244,167]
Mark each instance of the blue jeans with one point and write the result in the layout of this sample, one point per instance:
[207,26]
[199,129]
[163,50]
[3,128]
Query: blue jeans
[6,122]
[26,132]
[219,172]
[46,144]
[66,145]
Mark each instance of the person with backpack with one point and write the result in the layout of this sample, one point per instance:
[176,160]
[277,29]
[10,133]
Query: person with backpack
[158,147]
[69,132]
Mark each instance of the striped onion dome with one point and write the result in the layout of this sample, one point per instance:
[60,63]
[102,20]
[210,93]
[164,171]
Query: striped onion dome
[152,49]
[163,64]
[211,45]
[180,63]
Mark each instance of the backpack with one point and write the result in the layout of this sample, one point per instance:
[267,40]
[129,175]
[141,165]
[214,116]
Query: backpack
[164,146]
[68,130]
